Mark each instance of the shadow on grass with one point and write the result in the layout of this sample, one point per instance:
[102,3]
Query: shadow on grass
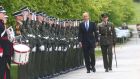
[14,72]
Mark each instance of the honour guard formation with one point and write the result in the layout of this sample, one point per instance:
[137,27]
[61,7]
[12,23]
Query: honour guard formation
[69,39]
[42,46]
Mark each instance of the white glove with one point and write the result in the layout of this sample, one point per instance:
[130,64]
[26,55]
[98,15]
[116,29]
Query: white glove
[34,49]
[42,48]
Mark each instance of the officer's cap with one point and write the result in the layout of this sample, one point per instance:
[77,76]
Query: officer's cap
[25,9]
[104,15]
[39,13]
[18,13]
[44,14]
[2,10]
[32,11]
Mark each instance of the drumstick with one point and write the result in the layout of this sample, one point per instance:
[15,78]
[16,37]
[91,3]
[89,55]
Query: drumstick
[5,31]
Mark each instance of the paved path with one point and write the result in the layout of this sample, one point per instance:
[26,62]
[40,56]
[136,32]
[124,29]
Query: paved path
[128,65]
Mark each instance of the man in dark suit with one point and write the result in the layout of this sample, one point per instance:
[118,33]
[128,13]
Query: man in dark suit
[88,38]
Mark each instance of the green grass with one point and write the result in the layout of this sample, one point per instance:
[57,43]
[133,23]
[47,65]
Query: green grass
[137,13]
[98,53]
[14,72]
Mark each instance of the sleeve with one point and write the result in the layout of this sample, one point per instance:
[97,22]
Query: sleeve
[80,33]
[24,26]
[25,23]
[96,32]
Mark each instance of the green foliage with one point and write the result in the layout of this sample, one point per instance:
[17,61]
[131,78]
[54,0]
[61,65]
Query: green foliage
[137,0]
[14,72]
[136,19]
[120,10]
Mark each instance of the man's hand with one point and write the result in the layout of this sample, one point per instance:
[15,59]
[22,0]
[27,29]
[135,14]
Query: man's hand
[114,42]
[33,16]
[25,14]
[80,44]
[5,20]
[8,66]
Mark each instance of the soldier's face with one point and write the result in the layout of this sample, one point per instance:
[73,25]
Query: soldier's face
[19,18]
[40,18]
[44,18]
[30,17]
[2,15]
[105,19]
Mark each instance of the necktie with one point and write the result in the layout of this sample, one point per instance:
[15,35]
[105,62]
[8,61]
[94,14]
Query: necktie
[87,26]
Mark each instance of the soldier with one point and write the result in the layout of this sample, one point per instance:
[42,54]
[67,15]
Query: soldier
[124,26]
[107,39]
[138,29]
[23,20]
[41,19]
[19,19]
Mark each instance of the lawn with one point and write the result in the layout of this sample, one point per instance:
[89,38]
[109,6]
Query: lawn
[98,53]
[14,72]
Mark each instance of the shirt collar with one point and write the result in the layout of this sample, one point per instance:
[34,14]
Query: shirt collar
[87,21]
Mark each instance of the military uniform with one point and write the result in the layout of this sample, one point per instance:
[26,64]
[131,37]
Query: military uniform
[107,39]
[7,53]
[60,40]
[7,46]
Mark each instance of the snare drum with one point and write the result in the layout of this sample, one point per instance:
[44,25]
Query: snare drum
[21,54]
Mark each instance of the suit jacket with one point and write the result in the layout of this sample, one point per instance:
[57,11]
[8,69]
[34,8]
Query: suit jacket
[88,37]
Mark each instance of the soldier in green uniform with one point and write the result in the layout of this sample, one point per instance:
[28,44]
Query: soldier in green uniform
[107,40]
[21,26]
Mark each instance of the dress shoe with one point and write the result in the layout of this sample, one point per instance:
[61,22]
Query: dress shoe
[88,71]
[110,69]
[106,70]
[93,69]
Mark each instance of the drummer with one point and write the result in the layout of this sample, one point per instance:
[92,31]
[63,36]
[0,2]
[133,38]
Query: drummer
[6,45]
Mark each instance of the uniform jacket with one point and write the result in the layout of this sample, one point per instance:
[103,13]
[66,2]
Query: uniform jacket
[107,33]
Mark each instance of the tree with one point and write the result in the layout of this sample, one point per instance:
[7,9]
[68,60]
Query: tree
[120,10]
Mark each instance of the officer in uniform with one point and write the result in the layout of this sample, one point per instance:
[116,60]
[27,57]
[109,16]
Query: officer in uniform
[22,19]
[19,19]
[107,39]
